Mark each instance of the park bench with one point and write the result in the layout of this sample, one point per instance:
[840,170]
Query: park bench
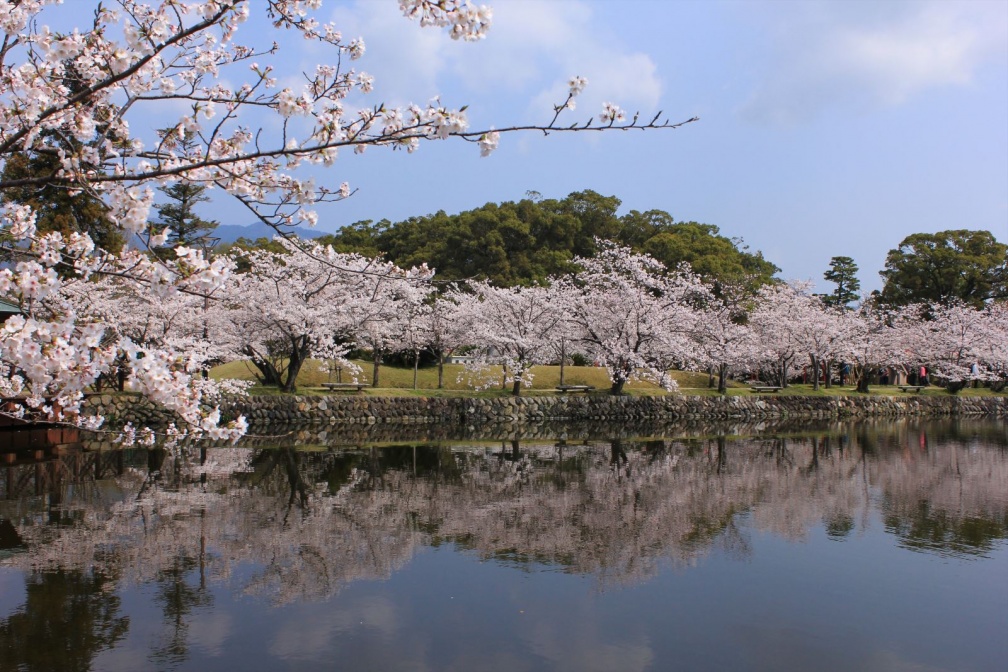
[765,388]
[575,388]
[911,388]
[345,386]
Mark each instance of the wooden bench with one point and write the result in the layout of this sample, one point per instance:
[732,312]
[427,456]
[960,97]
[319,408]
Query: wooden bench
[575,388]
[911,388]
[765,388]
[345,386]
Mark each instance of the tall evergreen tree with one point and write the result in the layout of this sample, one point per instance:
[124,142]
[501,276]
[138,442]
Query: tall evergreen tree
[58,206]
[843,273]
[179,212]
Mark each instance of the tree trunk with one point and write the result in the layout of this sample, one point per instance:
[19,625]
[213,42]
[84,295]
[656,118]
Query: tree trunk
[953,387]
[416,363]
[374,369]
[617,387]
[563,356]
[299,353]
[815,372]
[516,387]
[722,385]
[862,383]
[270,375]
[829,373]
[440,370]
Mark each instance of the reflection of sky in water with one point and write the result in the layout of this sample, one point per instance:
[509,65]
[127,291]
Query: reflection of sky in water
[863,604]
[861,578]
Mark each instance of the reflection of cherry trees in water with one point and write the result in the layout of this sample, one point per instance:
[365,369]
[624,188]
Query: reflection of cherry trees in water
[181,589]
[68,617]
[939,500]
[312,521]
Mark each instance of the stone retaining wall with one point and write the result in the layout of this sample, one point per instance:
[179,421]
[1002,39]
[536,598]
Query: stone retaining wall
[270,411]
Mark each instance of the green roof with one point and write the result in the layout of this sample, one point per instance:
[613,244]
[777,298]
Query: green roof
[8,307]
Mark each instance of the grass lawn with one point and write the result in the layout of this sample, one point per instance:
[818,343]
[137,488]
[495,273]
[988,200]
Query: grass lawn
[398,381]
[393,379]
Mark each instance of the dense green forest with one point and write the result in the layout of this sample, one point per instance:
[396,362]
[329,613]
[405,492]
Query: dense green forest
[524,243]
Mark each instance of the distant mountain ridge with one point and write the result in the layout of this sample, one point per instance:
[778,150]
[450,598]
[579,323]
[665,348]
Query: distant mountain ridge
[229,233]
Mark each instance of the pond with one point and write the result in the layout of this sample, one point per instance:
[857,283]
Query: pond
[871,546]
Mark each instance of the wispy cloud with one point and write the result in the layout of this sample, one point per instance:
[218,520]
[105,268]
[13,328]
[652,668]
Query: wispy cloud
[521,68]
[865,55]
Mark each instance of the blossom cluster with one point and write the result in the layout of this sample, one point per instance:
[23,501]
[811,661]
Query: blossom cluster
[75,108]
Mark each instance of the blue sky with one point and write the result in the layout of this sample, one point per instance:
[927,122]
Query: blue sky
[827,128]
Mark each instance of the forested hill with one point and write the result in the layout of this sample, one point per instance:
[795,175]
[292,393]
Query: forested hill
[526,242]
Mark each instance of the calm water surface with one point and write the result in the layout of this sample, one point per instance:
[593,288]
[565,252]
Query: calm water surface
[848,547]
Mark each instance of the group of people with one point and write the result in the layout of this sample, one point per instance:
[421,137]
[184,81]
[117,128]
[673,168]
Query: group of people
[886,375]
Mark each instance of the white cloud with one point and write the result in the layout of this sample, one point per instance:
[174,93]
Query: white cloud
[540,45]
[407,62]
[865,55]
[312,636]
[210,631]
[521,68]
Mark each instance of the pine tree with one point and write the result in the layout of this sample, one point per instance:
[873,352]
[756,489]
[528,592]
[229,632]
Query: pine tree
[58,207]
[843,272]
[179,214]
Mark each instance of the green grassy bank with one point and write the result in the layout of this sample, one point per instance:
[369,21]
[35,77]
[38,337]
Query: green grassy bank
[398,381]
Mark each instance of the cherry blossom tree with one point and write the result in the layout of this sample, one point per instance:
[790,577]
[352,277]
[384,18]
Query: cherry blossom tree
[820,331]
[87,98]
[189,324]
[413,310]
[955,340]
[514,327]
[723,339]
[630,314]
[779,319]
[302,303]
[390,299]
[873,341]
[993,347]
[445,327]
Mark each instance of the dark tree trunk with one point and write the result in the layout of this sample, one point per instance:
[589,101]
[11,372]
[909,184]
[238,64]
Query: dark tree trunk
[440,370]
[298,354]
[954,386]
[815,372]
[268,373]
[617,387]
[722,384]
[416,363]
[829,373]
[617,454]
[563,357]
[862,383]
[516,388]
